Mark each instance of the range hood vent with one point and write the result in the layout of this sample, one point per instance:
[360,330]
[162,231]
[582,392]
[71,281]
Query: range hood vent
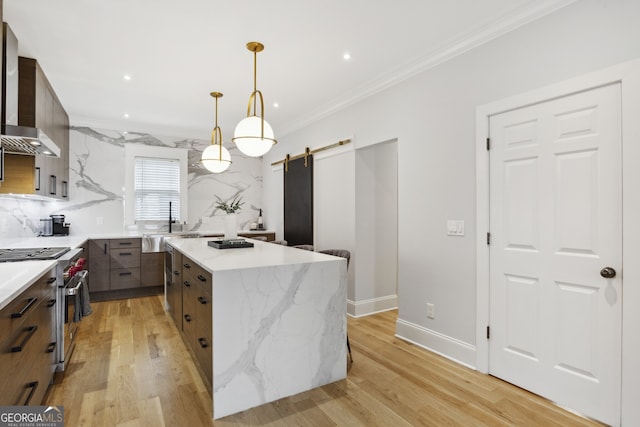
[14,138]
[26,140]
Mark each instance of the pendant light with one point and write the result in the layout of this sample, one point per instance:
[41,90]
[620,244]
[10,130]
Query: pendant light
[215,157]
[253,135]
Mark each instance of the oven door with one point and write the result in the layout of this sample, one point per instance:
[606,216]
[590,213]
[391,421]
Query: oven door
[72,293]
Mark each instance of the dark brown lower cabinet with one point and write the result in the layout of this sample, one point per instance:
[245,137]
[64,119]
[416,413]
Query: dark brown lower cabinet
[28,343]
[151,269]
[119,269]
[197,314]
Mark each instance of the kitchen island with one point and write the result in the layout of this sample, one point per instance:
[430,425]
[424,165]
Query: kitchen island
[278,320]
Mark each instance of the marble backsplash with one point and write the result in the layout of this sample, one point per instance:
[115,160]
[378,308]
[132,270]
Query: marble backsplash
[97,187]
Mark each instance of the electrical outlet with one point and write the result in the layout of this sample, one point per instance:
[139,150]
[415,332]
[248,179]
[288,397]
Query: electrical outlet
[431,311]
[99,220]
[205,220]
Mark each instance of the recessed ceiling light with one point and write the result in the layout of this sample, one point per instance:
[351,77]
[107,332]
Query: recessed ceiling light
[126,115]
[127,77]
[276,105]
[346,56]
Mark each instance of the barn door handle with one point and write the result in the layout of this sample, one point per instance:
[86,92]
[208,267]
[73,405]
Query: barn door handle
[608,273]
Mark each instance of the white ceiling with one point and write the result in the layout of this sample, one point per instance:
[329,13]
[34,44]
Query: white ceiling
[178,51]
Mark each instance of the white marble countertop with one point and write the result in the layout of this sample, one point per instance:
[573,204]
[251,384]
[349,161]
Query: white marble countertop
[263,254]
[15,277]
[18,276]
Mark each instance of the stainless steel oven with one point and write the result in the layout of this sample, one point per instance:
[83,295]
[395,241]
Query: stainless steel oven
[71,281]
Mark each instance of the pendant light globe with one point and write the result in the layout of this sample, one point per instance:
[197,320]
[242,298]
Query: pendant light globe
[250,139]
[216,159]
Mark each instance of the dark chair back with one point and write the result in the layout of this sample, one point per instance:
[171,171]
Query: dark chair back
[305,247]
[342,253]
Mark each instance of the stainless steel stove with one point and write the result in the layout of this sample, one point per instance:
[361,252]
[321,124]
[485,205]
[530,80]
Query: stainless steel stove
[31,254]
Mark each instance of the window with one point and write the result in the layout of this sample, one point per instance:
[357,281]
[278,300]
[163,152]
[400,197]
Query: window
[155,176]
[157,186]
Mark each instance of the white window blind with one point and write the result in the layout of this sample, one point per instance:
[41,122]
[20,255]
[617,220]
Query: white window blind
[157,182]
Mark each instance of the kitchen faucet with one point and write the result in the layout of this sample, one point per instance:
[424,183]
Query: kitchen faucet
[171,220]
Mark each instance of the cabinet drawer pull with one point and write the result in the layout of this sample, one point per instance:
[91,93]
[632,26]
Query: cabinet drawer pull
[53,183]
[187,318]
[187,284]
[30,331]
[125,254]
[202,278]
[203,342]
[37,179]
[185,265]
[105,248]
[21,313]
[51,303]
[202,300]
[125,243]
[33,386]
[177,273]
[51,347]
[128,273]
[51,280]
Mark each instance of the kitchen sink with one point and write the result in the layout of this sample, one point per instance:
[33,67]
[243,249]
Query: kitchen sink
[152,243]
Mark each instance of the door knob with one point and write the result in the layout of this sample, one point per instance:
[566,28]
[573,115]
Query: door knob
[608,273]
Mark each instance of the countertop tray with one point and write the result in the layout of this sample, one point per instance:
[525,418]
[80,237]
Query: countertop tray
[230,244]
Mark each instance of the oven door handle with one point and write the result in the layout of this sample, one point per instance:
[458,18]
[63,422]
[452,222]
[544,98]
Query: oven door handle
[73,291]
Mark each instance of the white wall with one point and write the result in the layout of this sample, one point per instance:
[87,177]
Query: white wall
[333,207]
[433,118]
[376,228]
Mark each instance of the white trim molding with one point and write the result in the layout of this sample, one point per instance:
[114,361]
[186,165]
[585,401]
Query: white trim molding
[449,50]
[372,306]
[628,75]
[445,346]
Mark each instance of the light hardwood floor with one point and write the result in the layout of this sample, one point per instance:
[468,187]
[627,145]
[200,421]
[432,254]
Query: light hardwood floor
[131,368]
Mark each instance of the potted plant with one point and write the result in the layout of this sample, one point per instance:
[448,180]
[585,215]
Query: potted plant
[231,221]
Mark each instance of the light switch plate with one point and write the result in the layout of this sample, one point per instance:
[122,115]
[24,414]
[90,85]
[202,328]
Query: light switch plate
[455,227]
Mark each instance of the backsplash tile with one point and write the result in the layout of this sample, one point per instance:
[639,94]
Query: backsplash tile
[97,187]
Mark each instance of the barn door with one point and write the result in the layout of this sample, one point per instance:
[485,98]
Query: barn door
[298,201]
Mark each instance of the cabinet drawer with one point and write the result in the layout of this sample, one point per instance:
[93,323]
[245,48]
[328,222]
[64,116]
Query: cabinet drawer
[203,347]
[125,258]
[196,274]
[26,357]
[125,278]
[125,243]
[189,293]
[16,311]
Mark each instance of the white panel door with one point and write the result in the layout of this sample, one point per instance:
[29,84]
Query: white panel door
[556,222]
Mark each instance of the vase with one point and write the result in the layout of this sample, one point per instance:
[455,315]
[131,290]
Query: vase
[231,226]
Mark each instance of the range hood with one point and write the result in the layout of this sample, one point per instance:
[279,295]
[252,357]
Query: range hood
[14,138]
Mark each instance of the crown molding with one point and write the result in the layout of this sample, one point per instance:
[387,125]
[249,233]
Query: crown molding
[507,23]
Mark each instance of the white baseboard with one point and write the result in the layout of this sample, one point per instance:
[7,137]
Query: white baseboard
[445,346]
[371,306]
